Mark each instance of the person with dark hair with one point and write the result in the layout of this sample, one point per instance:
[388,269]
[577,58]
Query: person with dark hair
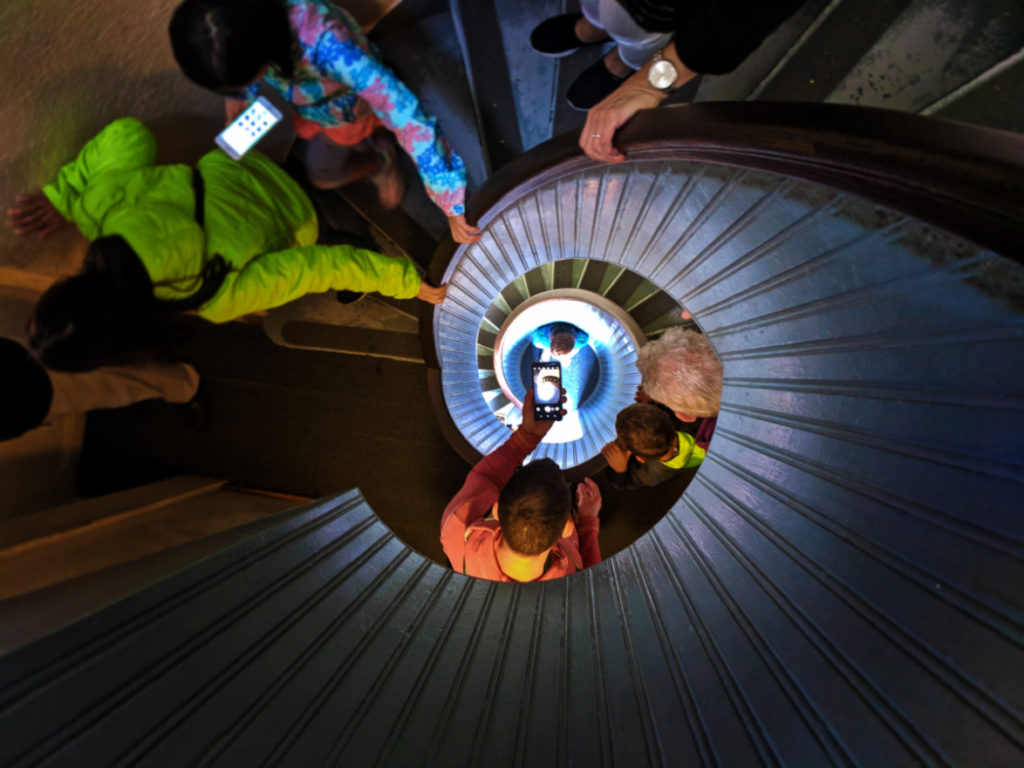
[31,396]
[509,524]
[647,449]
[224,239]
[561,341]
[346,100]
[660,46]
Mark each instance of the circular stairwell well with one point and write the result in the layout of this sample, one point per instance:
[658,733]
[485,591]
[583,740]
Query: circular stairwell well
[615,306]
[839,585]
[854,535]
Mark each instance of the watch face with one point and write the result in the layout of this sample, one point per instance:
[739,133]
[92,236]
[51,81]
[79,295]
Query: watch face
[662,74]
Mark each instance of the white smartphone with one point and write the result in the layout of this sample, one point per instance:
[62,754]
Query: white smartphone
[248,128]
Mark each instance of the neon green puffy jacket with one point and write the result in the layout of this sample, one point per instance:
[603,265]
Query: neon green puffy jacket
[257,218]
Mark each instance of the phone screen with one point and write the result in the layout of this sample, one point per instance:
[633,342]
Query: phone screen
[547,391]
[248,128]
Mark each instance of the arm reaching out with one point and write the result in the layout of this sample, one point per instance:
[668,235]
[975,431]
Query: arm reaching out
[441,169]
[588,502]
[430,294]
[462,231]
[588,498]
[34,214]
[273,279]
[609,114]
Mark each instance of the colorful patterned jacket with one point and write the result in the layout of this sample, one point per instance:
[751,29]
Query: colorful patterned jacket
[336,67]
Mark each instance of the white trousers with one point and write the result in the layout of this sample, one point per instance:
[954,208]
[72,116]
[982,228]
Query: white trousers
[118,386]
[636,44]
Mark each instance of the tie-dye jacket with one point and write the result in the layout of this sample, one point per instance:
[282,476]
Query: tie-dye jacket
[336,66]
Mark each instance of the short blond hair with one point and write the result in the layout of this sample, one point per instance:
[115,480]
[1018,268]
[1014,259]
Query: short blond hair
[680,370]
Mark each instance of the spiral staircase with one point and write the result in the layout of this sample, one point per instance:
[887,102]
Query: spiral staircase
[839,585]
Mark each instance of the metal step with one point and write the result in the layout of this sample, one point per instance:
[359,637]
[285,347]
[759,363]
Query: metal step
[931,50]
[993,98]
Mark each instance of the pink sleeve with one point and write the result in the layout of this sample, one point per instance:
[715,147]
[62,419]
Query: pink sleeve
[480,491]
[590,549]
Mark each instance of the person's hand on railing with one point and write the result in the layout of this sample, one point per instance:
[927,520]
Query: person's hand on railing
[462,231]
[34,214]
[634,94]
[431,294]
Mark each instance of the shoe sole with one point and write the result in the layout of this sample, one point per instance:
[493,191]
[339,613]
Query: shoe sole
[578,109]
[561,55]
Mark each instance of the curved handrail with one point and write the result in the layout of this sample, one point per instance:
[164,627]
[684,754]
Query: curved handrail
[965,179]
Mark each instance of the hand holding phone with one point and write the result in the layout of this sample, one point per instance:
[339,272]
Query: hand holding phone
[531,425]
[249,127]
[547,391]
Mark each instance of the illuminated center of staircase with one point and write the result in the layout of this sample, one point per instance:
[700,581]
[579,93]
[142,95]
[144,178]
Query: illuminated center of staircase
[599,379]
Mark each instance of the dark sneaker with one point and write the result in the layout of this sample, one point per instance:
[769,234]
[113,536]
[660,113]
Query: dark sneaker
[557,36]
[591,86]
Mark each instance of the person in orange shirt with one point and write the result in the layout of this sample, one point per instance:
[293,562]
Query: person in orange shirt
[516,524]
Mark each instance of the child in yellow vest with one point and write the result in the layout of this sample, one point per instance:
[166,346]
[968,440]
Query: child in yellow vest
[648,450]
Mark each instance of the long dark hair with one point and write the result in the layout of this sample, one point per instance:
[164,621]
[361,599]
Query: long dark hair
[107,314]
[223,44]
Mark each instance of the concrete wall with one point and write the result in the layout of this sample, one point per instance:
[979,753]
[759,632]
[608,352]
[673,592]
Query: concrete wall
[69,69]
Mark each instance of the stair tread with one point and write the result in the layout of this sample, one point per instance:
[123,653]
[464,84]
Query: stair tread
[85,512]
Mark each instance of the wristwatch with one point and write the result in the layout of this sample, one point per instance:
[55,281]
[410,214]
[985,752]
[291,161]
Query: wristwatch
[662,72]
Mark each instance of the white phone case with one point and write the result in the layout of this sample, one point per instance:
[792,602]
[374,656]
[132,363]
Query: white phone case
[248,128]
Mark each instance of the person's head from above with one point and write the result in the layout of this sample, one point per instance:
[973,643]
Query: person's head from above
[562,339]
[225,45]
[101,316]
[533,508]
[25,390]
[680,370]
[646,431]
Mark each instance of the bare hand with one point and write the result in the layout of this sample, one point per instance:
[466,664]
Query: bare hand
[608,115]
[34,214]
[233,108]
[616,456]
[462,231]
[588,498]
[531,425]
[430,294]
[641,395]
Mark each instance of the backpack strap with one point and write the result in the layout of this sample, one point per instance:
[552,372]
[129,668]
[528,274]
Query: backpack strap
[214,270]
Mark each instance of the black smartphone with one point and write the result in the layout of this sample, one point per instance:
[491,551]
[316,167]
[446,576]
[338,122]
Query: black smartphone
[547,391]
